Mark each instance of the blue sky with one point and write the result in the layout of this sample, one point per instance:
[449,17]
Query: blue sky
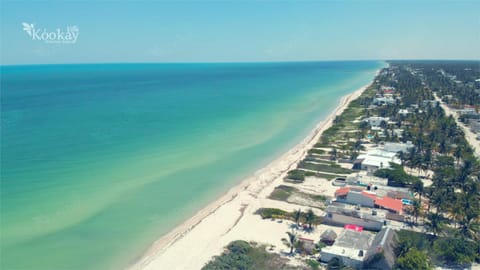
[230,31]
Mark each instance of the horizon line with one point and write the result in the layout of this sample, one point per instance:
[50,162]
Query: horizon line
[240,62]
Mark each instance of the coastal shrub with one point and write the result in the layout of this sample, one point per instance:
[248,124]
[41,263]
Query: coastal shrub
[281,193]
[241,255]
[322,145]
[296,175]
[316,151]
[273,213]
[318,197]
[239,246]
[332,168]
[314,265]
[327,176]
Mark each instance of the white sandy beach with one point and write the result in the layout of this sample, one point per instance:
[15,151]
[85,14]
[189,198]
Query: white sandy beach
[192,244]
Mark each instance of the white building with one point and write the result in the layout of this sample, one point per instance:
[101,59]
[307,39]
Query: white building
[350,247]
[377,159]
[376,121]
[398,147]
[403,112]
[384,100]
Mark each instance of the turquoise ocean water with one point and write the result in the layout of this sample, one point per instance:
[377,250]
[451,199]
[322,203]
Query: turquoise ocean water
[98,161]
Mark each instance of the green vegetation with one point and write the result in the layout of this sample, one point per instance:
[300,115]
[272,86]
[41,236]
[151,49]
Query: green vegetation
[335,264]
[274,213]
[310,218]
[456,250]
[451,213]
[291,242]
[413,259]
[327,176]
[316,151]
[451,78]
[438,250]
[314,265]
[297,175]
[283,193]
[333,168]
[396,176]
[241,255]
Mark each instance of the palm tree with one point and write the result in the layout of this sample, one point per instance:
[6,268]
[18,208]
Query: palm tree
[291,242]
[297,215]
[416,209]
[417,187]
[458,154]
[434,223]
[470,228]
[309,218]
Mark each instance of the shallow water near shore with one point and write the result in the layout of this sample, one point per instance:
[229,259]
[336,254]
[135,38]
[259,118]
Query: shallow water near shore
[98,161]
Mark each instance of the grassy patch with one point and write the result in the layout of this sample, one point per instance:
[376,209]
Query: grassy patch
[243,255]
[327,176]
[274,213]
[316,151]
[332,168]
[283,193]
[297,175]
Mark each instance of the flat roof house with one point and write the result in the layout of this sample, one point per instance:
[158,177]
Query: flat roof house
[376,121]
[356,196]
[341,215]
[351,247]
[358,249]
[376,159]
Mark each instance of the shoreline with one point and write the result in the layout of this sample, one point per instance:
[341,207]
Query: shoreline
[230,207]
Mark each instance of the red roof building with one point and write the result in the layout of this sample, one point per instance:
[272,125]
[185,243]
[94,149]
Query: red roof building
[390,204]
[370,195]
[342,191]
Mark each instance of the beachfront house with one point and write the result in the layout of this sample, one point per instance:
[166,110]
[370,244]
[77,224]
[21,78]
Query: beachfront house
[375,159]
[383,101]
[355,196]
[403,112]
[361,197]
[341,214]
[376,121]
[366,180]
[394,147]
[350,247]
[358,249]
